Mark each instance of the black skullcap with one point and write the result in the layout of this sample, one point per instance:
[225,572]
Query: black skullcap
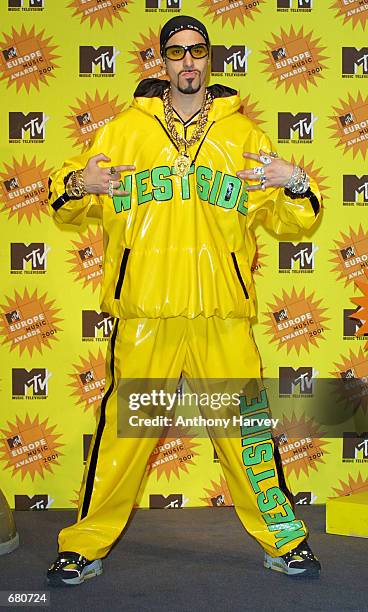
[181,22]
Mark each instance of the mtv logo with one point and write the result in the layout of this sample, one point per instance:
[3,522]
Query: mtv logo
[354,61]
[84,118]
[147,54]
[33,382]
[302,379]
[348,252]
[355,445]
[94,60]
[351,326]
[348,374]
[11,184]
[301,4]
[218,500]
[86,377]
[33,124]
[9,53]
[304,498]
[174,500]
[301,125]
[232,59]
[13,316]
[280,315]
[14,442]
[299,255]
[95,324]
[34,502]
[86,253]
[34,254]
[346,119]
[355,188]
[281,439]
[279,53]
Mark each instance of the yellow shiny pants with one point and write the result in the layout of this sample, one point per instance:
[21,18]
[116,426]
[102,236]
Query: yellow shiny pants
[200,348]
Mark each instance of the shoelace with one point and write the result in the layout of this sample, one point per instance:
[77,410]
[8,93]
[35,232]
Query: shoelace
[79,560]
[305,553]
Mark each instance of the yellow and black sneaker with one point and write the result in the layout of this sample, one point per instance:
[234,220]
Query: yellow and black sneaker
[71,568]
[299,562]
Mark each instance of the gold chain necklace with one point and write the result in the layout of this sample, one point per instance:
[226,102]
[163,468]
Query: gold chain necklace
[183,161]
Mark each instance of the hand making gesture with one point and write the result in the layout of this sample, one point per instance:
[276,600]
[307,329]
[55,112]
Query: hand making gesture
[273,171]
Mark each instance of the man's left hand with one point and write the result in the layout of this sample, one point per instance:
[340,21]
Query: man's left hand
[272,171]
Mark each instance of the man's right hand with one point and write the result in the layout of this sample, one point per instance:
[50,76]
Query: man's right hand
[97,179]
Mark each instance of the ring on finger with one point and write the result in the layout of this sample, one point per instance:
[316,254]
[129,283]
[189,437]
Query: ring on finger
[265,159]
[263,182]
[259,170]
[110,189]
[112,170]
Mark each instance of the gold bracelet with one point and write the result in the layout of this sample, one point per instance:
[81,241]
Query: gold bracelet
[75,187]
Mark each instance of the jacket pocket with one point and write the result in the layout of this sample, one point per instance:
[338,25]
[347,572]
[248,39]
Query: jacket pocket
[239,276]
[120,281]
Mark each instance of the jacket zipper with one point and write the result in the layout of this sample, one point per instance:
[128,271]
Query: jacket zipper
[123,266]
[239,276]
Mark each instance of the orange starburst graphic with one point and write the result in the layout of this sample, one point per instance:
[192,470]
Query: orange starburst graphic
[29,322]
[89,115]
[294,59]
[296,321]
[249,109]
[24,189]
[362,313]
[351,255]
[30,447]
[355,11]
[352,373]
[219,495]
[27,58]
[147,60]
[300,444]
[89,380]
[314,173]
[173,453]
[350,125]
[354,485]
[97,11]
[231,11]
[87,257]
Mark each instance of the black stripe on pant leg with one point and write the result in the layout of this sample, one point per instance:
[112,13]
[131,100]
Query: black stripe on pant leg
[280,474]
[100,429]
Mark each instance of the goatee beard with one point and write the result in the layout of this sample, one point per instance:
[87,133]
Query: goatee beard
[189,89]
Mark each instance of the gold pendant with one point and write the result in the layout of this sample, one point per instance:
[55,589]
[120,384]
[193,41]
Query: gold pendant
[182,164]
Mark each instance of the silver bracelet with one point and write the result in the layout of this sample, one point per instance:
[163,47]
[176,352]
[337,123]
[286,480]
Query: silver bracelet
[299,181]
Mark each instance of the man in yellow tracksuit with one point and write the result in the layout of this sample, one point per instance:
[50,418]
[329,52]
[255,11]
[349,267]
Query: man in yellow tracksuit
[179,246]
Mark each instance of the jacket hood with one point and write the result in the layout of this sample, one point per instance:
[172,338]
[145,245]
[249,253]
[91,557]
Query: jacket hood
[149,92]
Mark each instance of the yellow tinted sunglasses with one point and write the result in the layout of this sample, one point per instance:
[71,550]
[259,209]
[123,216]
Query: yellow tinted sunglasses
[177,52]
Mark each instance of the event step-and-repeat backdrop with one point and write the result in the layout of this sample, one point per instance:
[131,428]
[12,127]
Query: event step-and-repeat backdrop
[67,68]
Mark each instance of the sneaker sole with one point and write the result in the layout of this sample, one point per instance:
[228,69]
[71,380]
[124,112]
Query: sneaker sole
[292,572]
[95,569]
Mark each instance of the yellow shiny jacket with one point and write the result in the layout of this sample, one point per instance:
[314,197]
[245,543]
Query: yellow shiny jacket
[180,246]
